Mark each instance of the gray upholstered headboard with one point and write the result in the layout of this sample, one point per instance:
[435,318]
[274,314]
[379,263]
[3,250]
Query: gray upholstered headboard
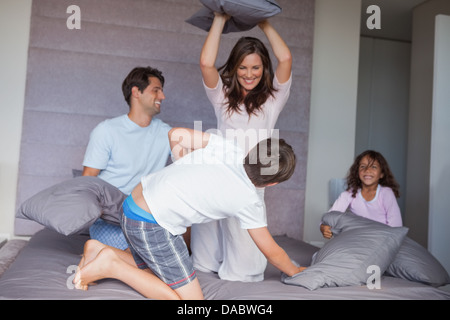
[74,81]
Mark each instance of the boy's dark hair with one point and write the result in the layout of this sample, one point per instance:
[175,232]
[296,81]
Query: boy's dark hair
[388,180]
[270,161]
[139,77]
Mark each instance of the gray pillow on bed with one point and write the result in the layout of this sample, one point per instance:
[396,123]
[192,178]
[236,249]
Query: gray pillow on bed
[245,14]
[70,207]
[358,243]
[414,263]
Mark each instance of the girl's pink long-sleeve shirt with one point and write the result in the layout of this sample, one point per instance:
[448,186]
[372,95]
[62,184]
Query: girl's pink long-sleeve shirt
[383,208]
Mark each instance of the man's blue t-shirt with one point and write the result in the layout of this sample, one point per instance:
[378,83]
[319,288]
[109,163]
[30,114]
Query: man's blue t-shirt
[125,152]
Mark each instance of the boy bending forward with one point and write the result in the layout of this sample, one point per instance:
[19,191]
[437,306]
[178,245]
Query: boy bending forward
[211,179]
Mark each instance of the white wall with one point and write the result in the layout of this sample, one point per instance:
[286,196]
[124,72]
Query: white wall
[383,101]
[439,220]
[333,104]
[419,122]
[14,36]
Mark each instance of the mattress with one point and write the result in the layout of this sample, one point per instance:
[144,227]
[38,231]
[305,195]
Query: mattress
[45,267]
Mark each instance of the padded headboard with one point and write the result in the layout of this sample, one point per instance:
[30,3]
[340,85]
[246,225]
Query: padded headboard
[74,81]
[335,187]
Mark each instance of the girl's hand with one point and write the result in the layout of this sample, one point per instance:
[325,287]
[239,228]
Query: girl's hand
[326,231]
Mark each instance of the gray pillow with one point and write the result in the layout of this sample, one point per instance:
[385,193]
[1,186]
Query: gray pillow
[245,14]
[77,173]
[414,263]
[358,243]
[70,207]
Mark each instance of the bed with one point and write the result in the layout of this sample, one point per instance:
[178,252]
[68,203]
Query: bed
[45,266]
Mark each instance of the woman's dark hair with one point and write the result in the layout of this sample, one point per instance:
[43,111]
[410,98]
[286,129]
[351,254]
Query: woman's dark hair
[139,77]
[234,92]
[388,180]
[270,161]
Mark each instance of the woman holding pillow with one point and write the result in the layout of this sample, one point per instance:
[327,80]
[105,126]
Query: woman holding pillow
[247,96]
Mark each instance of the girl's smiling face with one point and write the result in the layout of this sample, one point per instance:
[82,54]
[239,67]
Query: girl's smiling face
[250,71]
[369,172]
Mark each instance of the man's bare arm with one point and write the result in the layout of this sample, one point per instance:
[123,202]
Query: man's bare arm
[88,171]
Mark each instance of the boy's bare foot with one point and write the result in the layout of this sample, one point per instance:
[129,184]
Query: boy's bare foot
[98,268]
[91,249]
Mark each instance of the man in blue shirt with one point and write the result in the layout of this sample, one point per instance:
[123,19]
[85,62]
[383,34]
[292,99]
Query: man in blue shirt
[124,149]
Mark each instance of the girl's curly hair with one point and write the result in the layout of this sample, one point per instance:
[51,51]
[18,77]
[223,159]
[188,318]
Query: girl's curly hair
[388,180]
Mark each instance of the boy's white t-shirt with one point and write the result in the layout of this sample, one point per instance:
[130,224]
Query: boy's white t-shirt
[205,185]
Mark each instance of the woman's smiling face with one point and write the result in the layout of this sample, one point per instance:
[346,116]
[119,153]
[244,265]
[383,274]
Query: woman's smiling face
[250,72]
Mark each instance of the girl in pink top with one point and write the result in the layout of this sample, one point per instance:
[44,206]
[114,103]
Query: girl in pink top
[371,192]
[247,96]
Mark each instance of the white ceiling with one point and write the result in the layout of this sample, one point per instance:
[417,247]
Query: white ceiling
[396,18]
